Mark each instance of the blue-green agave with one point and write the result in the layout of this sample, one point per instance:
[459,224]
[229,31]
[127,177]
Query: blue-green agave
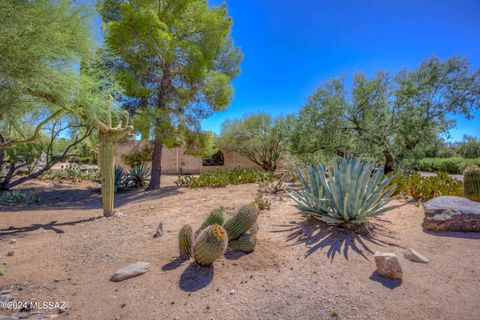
[350,190]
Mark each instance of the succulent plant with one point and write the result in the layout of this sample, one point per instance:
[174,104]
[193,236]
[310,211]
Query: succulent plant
[245,243]
[210,244]
[253,230]
[139,176]
[185,241]
[244,220]
[351,190]
[471,182]
[119,178]
[216,216]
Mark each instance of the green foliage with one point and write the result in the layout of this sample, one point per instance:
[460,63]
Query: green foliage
[120,179]
[210,245]
[185,242]
[245,243]
[389,117]
[426,188]
[258,137]
[222,178]
[217,216]
[18,197]
[140,157]
[243,221]
[262,203]
[139,176]
[469,148]
[73,173]
[454,165]
[471,182]
[350,190]
[3,271]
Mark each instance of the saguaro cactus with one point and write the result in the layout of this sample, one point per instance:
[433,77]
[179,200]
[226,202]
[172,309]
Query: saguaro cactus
[108,136]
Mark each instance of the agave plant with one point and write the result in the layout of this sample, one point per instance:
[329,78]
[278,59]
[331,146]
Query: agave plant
[139,175]
[120,179]
[351,190]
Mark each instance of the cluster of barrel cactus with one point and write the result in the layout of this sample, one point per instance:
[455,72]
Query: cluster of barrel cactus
[218,232]
[471,182]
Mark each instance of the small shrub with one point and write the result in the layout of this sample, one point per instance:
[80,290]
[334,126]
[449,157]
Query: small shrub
[18,197]
[73,172]
[455,165]
[138,158]
[348,191]
[262,203]
[121,180]
[139,176]
[2,271]
[221,178]
[426,188]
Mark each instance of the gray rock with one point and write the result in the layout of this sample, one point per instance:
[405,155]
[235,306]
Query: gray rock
[6,297]
[450,213]
[133,270]
[8,317]
[388,265]
[415,256]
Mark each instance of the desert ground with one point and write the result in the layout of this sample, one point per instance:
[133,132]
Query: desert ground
[65,251]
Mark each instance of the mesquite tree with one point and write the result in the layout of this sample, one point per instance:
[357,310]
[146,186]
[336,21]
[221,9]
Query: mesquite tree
[175,59]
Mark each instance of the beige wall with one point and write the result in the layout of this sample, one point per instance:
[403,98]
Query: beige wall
[174,160]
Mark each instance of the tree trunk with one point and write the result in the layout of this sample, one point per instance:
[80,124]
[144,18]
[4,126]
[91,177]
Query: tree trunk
[107,171]
[156,165]
[388,162]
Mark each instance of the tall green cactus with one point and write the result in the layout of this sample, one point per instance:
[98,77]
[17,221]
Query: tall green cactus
[185,241]
[471,182]
[210,245]
[245,219]
[108,136]
[245,243]
[216,216]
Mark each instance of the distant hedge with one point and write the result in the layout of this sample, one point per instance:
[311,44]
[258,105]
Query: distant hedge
[450,165]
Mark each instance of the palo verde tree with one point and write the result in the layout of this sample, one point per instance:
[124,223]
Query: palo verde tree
[175,59]
[42,43]
[387,117]
[258,137]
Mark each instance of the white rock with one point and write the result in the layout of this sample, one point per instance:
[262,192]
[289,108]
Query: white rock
[388,265]
[415,256]
[133,270]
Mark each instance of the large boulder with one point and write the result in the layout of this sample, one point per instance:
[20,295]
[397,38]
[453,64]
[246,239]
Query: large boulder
[449,213]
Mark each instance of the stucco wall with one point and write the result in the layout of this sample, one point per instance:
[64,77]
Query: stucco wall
[175,161]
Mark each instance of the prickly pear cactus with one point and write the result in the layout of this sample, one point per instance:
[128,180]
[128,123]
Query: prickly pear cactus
[471,183]
[217,216]
[245,243]
[210,244]
[185,241]
[242,221]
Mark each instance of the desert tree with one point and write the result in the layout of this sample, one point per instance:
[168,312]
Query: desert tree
[175,60]
[387,117]
[258,137]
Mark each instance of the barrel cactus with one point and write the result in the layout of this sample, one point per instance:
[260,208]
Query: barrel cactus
[245,243]
[216,216]
[185,241]
[471,182]
[210,244]
[245,219]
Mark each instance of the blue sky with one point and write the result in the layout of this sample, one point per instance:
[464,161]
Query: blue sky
[291,47]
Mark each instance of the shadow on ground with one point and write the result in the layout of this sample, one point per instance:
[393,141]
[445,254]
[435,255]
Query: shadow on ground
[317,235]
[452,234]
[196,277]
[388,283]
[51,226]
[87,198]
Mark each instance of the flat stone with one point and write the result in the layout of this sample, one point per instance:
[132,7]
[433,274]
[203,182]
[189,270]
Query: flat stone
[8,317]
[133,270]
[6,297]
[450,213]
[415,256]
[388,265]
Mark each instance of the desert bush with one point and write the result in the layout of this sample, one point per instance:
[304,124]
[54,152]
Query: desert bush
[426,188]
[138,158]
[262,203]
[18,197]
[348,191]
[222,178]
[450,165]
[73,172]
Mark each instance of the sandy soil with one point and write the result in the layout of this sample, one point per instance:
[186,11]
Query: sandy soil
[64,251]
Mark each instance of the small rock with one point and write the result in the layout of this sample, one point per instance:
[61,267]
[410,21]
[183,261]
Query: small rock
[8,317]
[415,256]
[232,291]
[159,231]
[133,270]
[10,253]
[388,265]
[13,240]
[6,298]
